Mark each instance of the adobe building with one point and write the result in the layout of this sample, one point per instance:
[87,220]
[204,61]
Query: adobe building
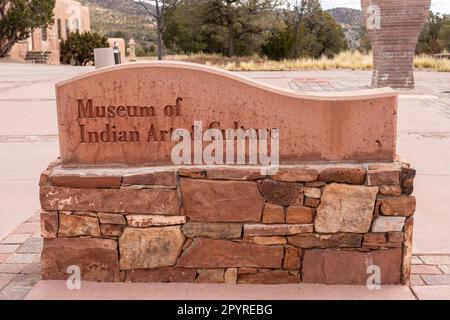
[44,44]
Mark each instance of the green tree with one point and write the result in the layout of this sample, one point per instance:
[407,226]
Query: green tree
[78,49]
[279,45]
[330,35]
[18,19]
[444,36]
[238,20]
[299,12]
[364,41]
[315,31]
[428,41]
[229,27]
[156,9]
[185,31]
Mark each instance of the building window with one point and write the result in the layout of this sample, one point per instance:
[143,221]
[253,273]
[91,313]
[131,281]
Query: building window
[44,34]
[67,27]
[77,25]
[58,25]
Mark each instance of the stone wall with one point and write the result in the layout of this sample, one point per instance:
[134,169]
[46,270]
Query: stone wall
[313,224]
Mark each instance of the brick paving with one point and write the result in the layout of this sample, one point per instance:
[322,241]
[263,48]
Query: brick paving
[20,268]
[323,85]
[430,270]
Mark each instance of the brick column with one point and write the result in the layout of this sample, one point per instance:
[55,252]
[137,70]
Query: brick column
[394,28]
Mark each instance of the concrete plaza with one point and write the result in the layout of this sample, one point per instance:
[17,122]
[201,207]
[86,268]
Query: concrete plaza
[28,142]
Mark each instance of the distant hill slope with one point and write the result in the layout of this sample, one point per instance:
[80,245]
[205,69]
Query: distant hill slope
[124,19]
[124,6]
[351,21]
[346,15]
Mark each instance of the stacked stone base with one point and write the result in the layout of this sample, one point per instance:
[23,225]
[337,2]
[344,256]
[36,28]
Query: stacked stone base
[308,223]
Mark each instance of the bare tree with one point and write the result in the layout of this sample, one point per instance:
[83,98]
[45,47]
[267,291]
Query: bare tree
[156,9]
[301,8]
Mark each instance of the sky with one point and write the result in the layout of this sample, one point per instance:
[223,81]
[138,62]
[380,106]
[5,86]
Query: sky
[442,6]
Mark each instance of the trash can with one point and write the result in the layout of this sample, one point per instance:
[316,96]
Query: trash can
[104,57]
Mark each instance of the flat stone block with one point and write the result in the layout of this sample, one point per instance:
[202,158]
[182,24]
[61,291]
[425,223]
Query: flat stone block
[145,221]
[398,206]
[346,208]
[273,214]
[270,277]
[388,224]
[234,173]
[97,258]
[350,267]
[210,276]
[383,177]
[168,274]
[255,230]
[213,230]
[49,224]
[299,215]
[92,182]
[221,201]
[161,178]
[206,253]
[282,193]
[150,247]
[355,175]
[75,226]
[296,175]
[150,201]
[338,240]
[111,218]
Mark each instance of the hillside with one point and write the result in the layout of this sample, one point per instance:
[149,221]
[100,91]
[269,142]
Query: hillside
[124,19]
[351,21]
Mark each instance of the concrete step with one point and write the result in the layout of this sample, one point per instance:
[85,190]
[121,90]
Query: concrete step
[38,56]
[58,290]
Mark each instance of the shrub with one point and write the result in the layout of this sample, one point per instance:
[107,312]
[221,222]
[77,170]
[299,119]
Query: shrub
[78,49]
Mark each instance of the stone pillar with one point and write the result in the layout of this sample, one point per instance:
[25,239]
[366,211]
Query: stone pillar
[394,28]
[55,50]
[132,51]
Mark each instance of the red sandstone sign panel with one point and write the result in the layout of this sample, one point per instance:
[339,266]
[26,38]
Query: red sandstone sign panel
[126,115]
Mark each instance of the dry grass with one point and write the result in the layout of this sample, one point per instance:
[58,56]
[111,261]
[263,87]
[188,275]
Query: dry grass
[428,62]
[345,60]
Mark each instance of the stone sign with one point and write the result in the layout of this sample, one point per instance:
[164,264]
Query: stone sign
[324,221]
[127,115]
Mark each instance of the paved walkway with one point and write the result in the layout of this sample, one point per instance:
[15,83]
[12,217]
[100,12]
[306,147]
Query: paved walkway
[28,142]
[28,136]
